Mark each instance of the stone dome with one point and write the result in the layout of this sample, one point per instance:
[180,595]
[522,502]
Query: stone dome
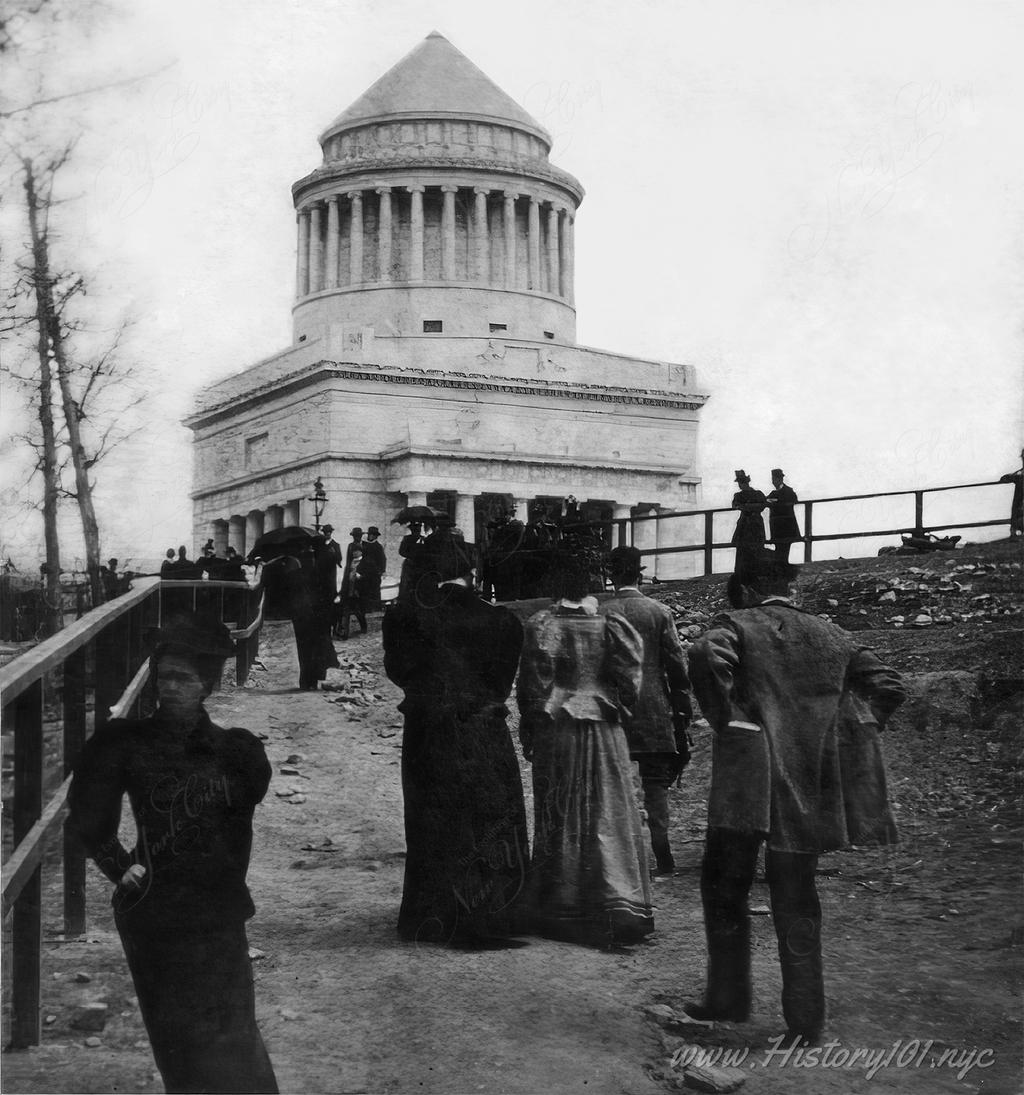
[436,81]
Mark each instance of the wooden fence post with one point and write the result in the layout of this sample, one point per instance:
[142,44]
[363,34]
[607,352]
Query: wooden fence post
[919,513]
[74,739]
[26,926]
[709,541]
[808,530]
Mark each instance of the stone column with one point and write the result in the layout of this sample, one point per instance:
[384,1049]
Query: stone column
[448,233]
[510,239]
[236,534]
[333,234]
[522,506]
[220,537]
[316,251]
[553,266]
[416,237]
[302,261]
[253,528]
[645,534]
[355,260]
[569,259]
[415,498]
[465,516]
[384,234]
[622,535]
[291,513]
[534,244]
[481,241]
[272,518]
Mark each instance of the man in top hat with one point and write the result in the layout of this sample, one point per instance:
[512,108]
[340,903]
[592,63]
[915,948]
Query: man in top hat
[328,563]
[796,705]
[748,538]
[180,898]
[781,516]
[656,728]
[371,569]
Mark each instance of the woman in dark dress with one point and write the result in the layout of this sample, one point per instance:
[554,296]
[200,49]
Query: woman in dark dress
[181,902]
[293,590]
[455,658]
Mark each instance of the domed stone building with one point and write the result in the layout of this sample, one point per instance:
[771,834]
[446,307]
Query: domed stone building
[434,357]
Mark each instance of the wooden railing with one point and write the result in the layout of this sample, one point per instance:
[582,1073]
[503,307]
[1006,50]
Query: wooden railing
[625,528]
[102,654]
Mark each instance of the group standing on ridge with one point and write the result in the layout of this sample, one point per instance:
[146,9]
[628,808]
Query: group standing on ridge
[605,696]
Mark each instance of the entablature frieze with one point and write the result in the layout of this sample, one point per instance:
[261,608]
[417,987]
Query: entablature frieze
[349,174]
[439,378]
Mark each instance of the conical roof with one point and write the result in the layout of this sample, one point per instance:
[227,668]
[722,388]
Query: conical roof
[435,80]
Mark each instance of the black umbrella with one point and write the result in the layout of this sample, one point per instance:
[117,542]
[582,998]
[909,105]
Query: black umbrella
[279,540]
[419,514]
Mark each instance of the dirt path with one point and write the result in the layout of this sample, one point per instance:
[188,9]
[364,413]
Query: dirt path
[919,941]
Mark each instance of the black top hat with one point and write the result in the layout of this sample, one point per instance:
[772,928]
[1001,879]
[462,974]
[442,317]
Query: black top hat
[741,474]
[194,634]
[373,531]
[624,560]
[779,472]
[327,528]
[357,531]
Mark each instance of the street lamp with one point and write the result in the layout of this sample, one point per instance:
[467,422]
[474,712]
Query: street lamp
[319,500]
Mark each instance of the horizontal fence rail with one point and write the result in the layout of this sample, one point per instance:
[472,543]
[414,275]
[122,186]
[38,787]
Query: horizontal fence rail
[103,653]
[624,529]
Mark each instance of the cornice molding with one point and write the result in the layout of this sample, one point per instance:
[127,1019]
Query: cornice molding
[438,378]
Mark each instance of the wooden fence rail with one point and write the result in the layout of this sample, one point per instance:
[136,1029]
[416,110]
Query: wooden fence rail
[624,528]
[104,652]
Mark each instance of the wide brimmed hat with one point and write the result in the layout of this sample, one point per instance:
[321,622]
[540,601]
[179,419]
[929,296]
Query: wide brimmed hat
[741,474]
[624,560]
[327,528]
[373,531]
[191,633]
[357,531]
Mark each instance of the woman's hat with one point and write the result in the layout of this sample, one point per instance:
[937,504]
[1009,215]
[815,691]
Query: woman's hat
[195,634]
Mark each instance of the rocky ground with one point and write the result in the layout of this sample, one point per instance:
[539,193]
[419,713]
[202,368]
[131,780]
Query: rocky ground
[922,942]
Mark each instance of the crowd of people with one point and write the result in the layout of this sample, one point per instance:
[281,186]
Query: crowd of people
[603,689]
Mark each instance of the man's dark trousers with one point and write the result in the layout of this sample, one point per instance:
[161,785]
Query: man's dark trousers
[730,860]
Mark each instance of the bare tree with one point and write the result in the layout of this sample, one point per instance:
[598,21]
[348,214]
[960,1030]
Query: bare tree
[92,424]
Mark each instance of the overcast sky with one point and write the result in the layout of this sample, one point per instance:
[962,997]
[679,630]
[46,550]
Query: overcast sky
[818,205]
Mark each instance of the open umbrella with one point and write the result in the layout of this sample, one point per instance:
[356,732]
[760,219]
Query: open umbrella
[419,514]
[279,540]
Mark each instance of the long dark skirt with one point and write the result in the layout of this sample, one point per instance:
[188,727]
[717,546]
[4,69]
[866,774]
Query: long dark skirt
[465,827]
[314,647]
[197,1001]
[589,879]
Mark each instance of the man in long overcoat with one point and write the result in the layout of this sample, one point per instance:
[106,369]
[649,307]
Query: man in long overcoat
[781,516]
[796,705]
[656,728]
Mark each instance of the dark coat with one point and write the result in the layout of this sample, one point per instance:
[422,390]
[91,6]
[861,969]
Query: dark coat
[465,821]
[749,533]
[781,517]
[665,686]
[787,672]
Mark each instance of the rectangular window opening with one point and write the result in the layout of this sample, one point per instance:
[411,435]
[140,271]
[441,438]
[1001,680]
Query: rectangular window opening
[496,327]
[432,326]
[549,334]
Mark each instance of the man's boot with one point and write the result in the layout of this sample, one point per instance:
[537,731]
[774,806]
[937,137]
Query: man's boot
[656,805]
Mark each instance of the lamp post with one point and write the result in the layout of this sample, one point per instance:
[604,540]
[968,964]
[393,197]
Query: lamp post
[319,500]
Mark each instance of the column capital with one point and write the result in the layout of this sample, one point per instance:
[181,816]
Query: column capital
[510,195]
[449,189]
[482,190]
[332,198]
[382,189]
[417,189]
[354,195]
